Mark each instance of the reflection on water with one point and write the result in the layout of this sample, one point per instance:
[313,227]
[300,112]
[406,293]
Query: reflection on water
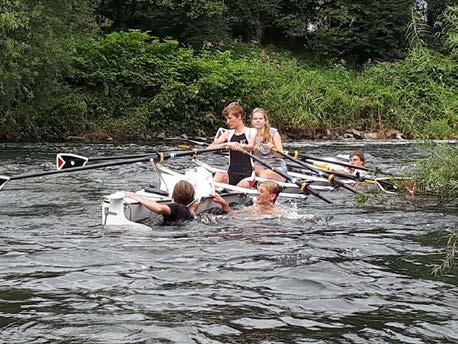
[346,273]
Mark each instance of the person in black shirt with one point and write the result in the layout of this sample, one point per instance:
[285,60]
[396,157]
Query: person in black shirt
[237,138]
[181,209]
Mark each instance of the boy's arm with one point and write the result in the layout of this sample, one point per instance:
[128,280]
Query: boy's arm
[152,205]
[220,142]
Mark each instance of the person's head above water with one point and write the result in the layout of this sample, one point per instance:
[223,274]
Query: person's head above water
[267,193]
[183,193]
[357,158]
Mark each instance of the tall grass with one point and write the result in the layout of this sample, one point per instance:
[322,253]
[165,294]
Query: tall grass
[436,175]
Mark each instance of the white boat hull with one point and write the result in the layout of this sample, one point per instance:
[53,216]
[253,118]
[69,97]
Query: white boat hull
[120,210]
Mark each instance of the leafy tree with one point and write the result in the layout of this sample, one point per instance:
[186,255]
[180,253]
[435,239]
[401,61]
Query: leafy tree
[434,11]
[35,42]
[361,30]
[194,22]
[297,17]
[250,19]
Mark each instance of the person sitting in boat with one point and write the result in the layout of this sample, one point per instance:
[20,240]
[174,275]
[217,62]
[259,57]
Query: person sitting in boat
[237,138]
[265,203]
[181,209]
[266,139]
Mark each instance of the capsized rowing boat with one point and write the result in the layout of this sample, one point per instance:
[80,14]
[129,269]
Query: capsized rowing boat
[120,210]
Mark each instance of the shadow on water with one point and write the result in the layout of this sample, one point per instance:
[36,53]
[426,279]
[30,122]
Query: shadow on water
[347,273]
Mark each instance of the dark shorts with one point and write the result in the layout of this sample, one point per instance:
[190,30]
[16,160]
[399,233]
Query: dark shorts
[235,177]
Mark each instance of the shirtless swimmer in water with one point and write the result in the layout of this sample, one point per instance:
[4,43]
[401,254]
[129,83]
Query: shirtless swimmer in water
[265,204]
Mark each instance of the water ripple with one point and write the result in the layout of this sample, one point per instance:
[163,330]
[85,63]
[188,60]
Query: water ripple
[317,274]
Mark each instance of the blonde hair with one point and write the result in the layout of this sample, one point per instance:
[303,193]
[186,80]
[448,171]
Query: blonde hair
[272,188]
[235,108]
[183,192]
[267,135]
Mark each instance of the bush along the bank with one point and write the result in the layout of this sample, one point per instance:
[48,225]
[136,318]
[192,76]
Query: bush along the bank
[63,77]
[132,84]
[436,176]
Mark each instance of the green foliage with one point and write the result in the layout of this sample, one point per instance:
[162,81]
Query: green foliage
[250,19]
[450,31]
[355,30]
[35,41]
[425,86]
[174,90]
[450,260]
[437,175]
[358,31]
[57,81]
[195,23]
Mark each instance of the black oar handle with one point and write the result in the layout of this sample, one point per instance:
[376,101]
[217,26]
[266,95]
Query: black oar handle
[302,186]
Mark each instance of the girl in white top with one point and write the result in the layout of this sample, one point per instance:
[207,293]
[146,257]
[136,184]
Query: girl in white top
[266,139]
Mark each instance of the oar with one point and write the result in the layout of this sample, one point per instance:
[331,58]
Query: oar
[380,182]
[310,159]
[156,156]
[304,187]
[199,143]
[329,176]
[69,160]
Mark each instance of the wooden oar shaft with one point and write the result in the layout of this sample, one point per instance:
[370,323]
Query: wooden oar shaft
[302,186]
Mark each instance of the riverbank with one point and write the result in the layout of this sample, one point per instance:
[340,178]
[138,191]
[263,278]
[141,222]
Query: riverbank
[304,134]
[115,91]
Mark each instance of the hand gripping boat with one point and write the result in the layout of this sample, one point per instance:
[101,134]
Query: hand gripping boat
[120,210]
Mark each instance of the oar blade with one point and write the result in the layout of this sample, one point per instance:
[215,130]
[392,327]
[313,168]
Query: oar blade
[3,181]
[65,160]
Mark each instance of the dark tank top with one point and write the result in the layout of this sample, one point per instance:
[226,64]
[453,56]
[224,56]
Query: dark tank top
[239,163]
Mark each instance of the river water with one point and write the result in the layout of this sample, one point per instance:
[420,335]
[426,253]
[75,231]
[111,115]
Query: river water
[346,273]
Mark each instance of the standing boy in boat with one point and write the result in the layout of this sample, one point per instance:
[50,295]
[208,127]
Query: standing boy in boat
[237,138]
[265,203]
[181,209]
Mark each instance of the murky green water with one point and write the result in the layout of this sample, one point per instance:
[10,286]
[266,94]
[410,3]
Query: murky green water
[345,273]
